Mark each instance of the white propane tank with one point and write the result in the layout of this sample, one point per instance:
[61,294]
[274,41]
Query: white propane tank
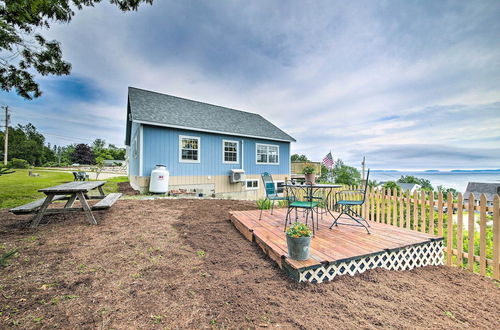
[159,180]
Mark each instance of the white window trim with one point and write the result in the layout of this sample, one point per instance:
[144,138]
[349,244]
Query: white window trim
[253,188]
[135,148]
[267,145]
[141,150]
[237,151]
[276,186]
[180,149]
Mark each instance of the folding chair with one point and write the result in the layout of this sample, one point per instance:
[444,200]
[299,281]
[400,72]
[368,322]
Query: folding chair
[307,204]
[347,207]
[271,193]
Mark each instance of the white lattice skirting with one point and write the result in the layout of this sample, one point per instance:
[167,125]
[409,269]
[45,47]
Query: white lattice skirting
[425,254]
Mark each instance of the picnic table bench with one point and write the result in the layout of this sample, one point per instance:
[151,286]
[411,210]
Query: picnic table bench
[71,192]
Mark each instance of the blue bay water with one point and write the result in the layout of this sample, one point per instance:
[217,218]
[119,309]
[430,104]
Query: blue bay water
[456,180]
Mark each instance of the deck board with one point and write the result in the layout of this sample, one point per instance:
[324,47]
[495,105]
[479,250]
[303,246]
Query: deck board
[329,245]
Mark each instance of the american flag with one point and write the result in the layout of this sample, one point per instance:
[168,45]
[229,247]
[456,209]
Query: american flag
[328,160]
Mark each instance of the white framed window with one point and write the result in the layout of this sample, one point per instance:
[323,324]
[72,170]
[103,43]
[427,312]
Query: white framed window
[267,153]
[230,152]
[279,187]
[189,149]
[135,148]
[252,184]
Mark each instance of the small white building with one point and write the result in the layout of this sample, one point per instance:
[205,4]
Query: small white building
[478,188]
[412,187]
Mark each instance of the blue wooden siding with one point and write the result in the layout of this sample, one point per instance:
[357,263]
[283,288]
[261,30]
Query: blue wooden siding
[133,162]
[161,146]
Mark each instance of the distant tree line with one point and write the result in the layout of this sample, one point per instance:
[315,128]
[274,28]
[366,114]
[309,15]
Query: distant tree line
[27,147]
[424,184]
[348,175]
[340,173]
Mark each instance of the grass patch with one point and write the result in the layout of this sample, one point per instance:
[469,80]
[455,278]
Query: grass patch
[5,257]
[18,188]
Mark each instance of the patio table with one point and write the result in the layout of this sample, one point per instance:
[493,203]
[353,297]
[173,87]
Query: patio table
[311,189]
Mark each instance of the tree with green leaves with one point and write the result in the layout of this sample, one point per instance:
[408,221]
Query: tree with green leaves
[99,166]
[24,51]
[299,158]
[344,174]
[424,183]
[26,142]
[391,185]
[445,192]
[110,152]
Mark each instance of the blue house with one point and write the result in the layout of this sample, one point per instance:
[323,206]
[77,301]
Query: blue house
[213,150]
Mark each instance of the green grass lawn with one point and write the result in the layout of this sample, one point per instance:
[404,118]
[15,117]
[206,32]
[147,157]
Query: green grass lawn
[18,188]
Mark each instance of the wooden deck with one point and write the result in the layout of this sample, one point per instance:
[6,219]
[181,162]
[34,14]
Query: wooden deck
[342,249]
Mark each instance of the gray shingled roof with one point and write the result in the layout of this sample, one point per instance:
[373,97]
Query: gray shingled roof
[478,188]
[167,110]
[408,186]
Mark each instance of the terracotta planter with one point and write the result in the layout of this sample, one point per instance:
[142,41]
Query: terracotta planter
[311,178]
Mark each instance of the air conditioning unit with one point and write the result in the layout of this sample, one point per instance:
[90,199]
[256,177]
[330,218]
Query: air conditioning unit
[237,176]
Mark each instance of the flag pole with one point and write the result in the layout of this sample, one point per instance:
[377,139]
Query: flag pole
[363,167]
[330,170]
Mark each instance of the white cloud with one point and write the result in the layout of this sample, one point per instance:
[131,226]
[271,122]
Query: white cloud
[325,72]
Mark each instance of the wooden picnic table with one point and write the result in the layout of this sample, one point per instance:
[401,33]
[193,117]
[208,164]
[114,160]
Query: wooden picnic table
[70,191]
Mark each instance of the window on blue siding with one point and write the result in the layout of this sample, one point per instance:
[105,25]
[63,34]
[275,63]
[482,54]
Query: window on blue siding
[230,151]
[189,149]
[252,184]
[267,153]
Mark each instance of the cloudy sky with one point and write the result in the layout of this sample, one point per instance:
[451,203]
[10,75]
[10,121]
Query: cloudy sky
[408,84]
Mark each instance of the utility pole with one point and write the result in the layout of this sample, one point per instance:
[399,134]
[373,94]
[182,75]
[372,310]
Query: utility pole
[6,137]
[363,167]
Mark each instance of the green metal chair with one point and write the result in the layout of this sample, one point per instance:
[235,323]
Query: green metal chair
[307,204]
[347,206]
[271,193]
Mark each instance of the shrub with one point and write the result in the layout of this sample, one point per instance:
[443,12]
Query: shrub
[264,204]
[308,169]
[51,164]
[18,163]
[298,229]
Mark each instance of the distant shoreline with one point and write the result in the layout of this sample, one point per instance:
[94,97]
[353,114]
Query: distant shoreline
[437,171]
[448,179]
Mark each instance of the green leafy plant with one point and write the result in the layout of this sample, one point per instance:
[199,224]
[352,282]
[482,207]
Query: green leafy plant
[5,170]
[4,259]
[19,163]
[308,169]
[299,229]
[263,204]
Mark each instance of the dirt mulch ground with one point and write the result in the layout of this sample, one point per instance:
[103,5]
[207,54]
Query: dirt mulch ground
[126,189]
[181,264]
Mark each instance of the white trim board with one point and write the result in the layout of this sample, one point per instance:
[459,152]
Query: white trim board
[180,149]
[253,188]
[237,151]
[141,142]
[210,131]
[267,145]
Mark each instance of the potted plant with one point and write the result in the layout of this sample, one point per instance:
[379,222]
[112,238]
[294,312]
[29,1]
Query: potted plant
[308,171]
[298,241]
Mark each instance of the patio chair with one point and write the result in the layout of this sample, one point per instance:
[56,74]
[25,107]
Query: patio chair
[83,176]
[271,193]
[307,204]
[347,206]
